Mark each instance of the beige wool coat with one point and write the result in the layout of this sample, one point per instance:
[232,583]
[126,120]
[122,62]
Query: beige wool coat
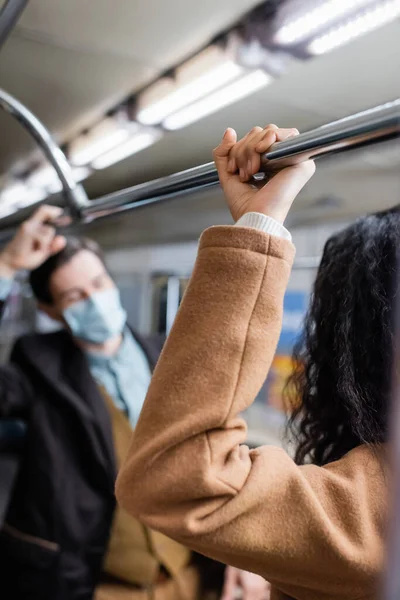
[316,533]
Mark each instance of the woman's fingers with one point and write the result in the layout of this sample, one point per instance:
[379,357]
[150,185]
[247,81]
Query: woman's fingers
[236,152]
[249,159]
[277,195]
[269,136]
[284,134]
[244,156]
[281,136]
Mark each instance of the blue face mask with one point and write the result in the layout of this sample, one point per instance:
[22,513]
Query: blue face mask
[98,318]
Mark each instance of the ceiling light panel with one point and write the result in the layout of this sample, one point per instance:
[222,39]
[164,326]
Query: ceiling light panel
[108,134]
[17,195]
[301,20]
[136,143]
[208,71]
[371,18]
[46,178]
[245,86]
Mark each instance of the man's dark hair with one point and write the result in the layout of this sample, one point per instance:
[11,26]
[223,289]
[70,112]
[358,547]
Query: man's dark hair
[39,278]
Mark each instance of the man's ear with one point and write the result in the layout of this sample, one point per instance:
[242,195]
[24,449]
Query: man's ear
[50,311]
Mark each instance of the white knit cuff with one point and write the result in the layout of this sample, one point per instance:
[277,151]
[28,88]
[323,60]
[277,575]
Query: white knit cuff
[264,223]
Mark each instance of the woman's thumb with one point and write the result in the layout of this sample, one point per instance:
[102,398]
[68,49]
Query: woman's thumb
[228,141]
[221,154]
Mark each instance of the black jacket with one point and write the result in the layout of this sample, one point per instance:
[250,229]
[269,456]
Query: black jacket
[58,522]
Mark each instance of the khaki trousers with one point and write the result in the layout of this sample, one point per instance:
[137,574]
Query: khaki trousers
[185,587]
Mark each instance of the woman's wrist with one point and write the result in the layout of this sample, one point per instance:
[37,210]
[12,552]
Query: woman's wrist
[264,223]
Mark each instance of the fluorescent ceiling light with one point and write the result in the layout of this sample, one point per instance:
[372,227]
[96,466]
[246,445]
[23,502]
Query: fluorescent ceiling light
[250,83]
[198,77]
[135,144]
[81,173]
[17,195]
[12,193]
[100,139]
[370,19]
[6,210]
[190,92]
[31,197]
[86,150]
[47,179]
[302,26]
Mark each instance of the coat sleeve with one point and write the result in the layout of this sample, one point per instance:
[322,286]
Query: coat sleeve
[15,389]
[315,533]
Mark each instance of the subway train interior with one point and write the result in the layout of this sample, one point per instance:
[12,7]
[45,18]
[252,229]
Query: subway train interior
[111,111]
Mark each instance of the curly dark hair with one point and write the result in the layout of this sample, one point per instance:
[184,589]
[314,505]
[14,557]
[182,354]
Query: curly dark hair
[343,375]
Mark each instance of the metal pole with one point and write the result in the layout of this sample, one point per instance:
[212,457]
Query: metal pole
[173,289]
[368,127]
[9,16]
[375,125]
[75,195]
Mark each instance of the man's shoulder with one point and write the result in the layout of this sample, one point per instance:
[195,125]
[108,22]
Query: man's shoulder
[157,340]
[151,344]
[154,339]
[35,342]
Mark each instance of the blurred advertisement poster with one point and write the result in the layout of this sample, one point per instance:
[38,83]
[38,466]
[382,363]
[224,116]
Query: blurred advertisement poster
[276,382]
[272,393]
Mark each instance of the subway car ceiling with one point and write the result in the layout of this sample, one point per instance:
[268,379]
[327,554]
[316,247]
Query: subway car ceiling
[71,62]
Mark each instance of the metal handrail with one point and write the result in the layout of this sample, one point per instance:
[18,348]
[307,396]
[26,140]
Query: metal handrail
[9,15]
[377,124]
[374,125]
[74,194]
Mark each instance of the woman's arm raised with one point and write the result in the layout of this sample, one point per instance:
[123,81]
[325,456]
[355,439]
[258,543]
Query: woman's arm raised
[188,472]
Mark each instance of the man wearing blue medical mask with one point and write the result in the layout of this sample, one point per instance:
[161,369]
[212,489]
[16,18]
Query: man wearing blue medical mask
[81,391]
[75,288]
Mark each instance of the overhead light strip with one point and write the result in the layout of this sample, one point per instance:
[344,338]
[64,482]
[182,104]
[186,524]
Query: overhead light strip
[210,81]
[46,179]
[376,17]
[135,144]
[84,151]
[302,26]
[17,195]
[246,85]
[106,135]
[200,87]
